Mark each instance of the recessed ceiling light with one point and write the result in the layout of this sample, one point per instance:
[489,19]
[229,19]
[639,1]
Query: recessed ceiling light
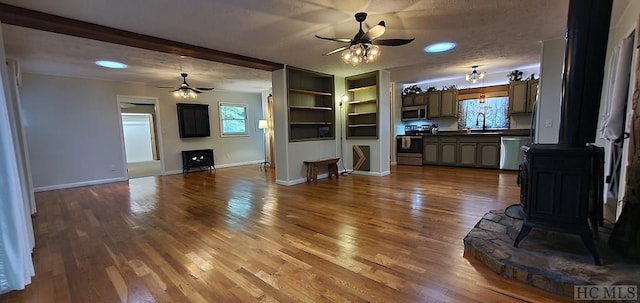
[439,47]
[111,64]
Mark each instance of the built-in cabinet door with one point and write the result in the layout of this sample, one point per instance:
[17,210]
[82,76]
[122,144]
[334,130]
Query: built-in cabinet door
[433,102]
[407,100]
[532,94]
[448,153]
[488,155]
[420,99]
[467,154]
[518,97]
[449,104]
[430,153]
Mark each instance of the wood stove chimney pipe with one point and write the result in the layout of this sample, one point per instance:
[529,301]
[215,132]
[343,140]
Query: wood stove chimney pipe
[583,71]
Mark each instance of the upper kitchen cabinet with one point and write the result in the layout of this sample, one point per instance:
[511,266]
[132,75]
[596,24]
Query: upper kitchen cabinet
[362,107]
[522,96]
[442,103]
[311,105]
[449,103]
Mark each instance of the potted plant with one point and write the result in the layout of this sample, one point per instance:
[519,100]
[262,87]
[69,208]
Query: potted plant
[515,75]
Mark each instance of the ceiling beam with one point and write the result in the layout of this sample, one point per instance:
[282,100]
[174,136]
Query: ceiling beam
[19,16]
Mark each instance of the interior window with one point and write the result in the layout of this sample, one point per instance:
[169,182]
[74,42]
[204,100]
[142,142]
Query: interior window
[495,110]
[233,119]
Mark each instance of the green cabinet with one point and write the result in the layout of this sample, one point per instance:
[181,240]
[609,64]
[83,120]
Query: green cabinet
[522,96]
[442,103]
[467,154]
[462,150]
[449,103]
[488,155]
[448,150]
[430,154]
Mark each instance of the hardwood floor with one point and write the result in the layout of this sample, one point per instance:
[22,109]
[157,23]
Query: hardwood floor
[236,236]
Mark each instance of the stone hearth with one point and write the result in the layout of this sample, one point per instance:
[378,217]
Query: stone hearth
[551,261]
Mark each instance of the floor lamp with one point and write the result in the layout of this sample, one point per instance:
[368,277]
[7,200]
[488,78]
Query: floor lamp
[264,126]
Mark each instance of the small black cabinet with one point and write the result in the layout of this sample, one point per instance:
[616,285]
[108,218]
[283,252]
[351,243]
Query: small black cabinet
[197,158]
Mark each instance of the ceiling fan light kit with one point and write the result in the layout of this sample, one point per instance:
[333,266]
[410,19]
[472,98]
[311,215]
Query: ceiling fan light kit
[358,53]
[364,46]
[185,90]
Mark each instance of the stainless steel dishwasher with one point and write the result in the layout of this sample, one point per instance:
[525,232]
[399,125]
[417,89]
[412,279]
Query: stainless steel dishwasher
[510,153]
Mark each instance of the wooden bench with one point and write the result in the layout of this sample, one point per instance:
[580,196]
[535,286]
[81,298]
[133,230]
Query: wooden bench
[312,168]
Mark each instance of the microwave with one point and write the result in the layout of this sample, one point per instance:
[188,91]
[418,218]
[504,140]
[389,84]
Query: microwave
[414,113]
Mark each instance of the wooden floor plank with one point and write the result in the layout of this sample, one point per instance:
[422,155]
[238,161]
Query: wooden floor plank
[236,236]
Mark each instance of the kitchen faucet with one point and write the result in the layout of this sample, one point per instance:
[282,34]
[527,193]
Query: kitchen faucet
[484,121]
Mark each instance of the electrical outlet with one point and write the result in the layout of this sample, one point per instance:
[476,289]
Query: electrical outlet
[548,123]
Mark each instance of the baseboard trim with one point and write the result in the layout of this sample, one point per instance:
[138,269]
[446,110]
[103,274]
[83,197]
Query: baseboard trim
[301,180]
[78,184]
[292,182]
[175,172]
[369,173]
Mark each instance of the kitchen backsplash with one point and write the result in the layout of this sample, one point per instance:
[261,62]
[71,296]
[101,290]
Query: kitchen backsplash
[444,124]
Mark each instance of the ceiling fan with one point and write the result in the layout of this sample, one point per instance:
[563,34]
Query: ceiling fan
[364,45]
[185,90]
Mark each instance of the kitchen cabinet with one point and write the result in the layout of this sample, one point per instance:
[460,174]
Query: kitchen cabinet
[449,103]
[414,100]
[311,109]
[522,96]
[461,150]
[434,99]
[448,150]
[420,99]
[479,151]
[467,154]
[407,100]
[362,109]
[488,155]
[532,90]
[430,150]
[442,103]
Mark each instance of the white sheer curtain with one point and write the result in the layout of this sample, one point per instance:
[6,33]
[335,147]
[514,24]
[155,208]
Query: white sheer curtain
[16,231]
[617,92]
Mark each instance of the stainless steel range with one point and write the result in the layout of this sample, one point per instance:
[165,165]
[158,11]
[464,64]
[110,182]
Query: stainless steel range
[409,146]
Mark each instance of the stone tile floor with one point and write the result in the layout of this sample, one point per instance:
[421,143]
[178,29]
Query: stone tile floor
[551,261]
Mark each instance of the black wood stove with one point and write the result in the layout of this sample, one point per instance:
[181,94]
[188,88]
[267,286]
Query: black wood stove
[561,184]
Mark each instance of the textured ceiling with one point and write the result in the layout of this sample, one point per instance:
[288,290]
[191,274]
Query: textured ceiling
[497,35]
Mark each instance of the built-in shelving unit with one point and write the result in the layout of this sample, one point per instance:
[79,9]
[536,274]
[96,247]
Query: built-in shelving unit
[311,105]
[362,109]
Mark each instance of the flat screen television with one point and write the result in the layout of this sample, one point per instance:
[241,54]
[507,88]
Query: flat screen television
[193,120]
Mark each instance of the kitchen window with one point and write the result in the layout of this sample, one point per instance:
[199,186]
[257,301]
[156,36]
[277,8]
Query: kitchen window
[495,111]
[233,119]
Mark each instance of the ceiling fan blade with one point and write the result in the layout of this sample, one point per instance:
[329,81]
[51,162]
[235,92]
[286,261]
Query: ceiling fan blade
[337,50]
[204,88]
[195,90]
[392,42]
[165,87]
[345,40]
[374,32]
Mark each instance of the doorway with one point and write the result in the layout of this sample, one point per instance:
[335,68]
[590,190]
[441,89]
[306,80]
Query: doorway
[139,119]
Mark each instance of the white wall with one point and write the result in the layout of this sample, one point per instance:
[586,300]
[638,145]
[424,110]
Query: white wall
[290,156]
[550,93]
[73,129]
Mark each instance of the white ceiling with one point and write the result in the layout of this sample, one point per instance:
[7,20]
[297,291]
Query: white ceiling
[497,35]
